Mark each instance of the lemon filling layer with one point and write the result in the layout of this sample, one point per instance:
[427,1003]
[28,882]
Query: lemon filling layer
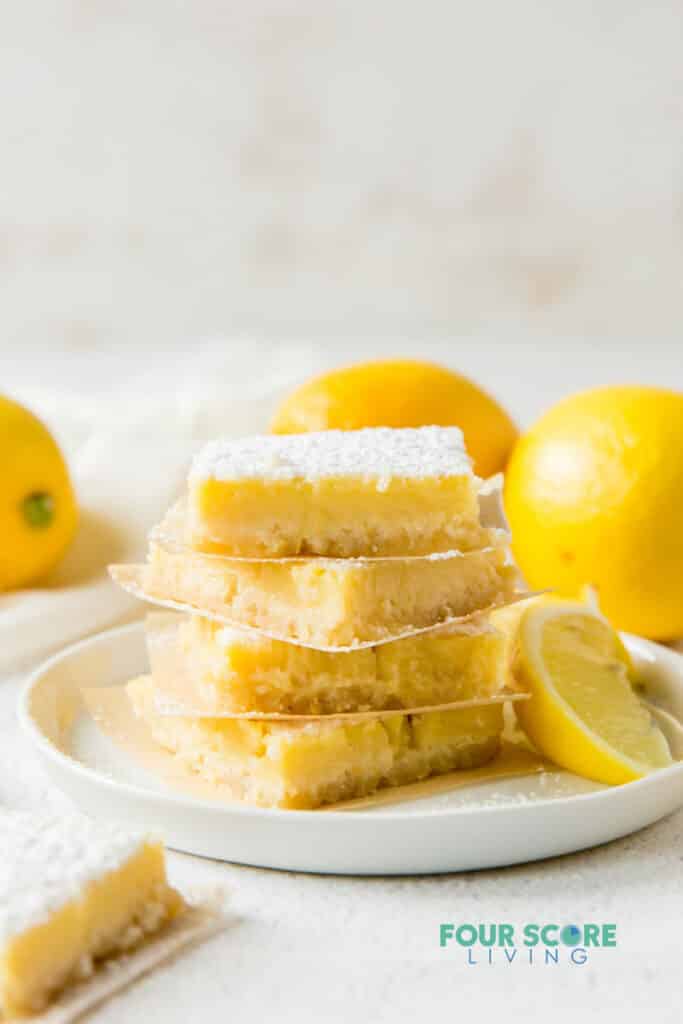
[227,670]
[336,493]
[331,603]
[72,892]
[305,766]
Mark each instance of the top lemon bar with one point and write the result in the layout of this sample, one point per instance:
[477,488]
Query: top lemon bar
[339,493]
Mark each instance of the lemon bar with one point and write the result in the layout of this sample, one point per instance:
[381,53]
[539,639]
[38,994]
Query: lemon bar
[305,765]
[327,603]
[231,671]
[339,493]
[72,891]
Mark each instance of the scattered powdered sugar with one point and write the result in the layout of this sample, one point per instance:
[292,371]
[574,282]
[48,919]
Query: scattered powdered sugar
[378,453]
[45,861]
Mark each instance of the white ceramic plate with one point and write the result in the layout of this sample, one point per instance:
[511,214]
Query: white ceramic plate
[485,825]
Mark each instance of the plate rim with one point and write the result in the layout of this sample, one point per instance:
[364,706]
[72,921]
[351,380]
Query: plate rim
[30,727]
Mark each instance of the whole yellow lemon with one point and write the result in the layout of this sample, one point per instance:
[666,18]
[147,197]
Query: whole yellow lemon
[594,495]
[402,393]
[38,513]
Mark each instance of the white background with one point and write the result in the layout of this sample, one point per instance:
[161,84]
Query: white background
[172,171]
[200,203]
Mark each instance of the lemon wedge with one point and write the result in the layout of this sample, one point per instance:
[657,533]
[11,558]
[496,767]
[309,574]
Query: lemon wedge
[583,713]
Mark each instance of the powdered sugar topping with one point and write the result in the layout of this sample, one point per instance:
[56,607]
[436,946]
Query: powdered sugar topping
[377,453]
[46,861]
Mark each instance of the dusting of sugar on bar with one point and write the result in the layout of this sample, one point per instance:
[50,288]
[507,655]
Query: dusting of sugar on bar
[47,862]
[377,453]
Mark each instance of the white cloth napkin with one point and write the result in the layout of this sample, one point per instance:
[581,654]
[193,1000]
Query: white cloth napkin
[128,454]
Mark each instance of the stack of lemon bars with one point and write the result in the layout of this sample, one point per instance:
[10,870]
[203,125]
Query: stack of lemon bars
[335,639]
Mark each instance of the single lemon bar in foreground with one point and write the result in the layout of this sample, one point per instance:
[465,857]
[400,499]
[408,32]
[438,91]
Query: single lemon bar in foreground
[228,670]
[306,765]
[72,891]
[340,493]
[325,603]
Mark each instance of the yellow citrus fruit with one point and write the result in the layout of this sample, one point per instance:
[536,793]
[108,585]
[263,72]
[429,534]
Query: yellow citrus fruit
[38,511]
[583,713]
[507,620]
[594,493]
[402,393]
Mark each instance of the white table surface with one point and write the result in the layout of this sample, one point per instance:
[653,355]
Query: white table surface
[317,948]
